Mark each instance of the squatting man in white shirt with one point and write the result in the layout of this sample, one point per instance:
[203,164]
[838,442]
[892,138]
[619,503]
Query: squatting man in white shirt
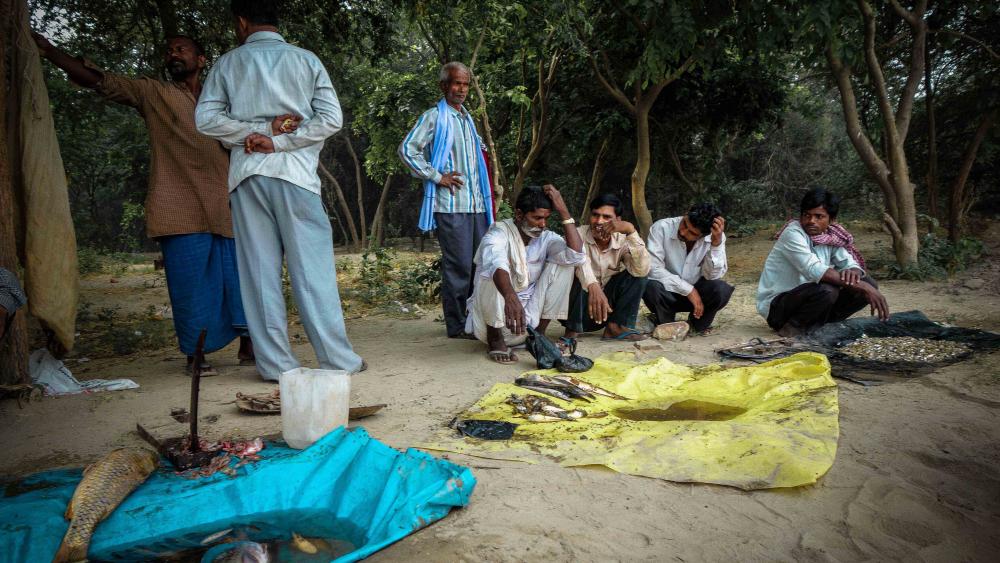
[523,273]
[688,261]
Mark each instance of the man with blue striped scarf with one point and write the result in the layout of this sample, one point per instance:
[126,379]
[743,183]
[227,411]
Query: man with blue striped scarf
[444,150]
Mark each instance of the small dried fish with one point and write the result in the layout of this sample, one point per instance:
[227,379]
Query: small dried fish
[539,380]
[540,409]
[904,349]
[548,391]
[588,387]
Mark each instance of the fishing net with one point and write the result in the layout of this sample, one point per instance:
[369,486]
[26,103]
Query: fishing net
[909,344]
[868,351]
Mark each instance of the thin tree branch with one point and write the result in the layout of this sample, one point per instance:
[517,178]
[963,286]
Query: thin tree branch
[475,52]
[634,19]
[612,89]
[967,37]
[427,37]
[875,72]
[918,53]
[855,132]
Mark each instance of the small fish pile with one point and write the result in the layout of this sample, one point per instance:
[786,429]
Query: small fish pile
[540,409]
[104,486]
[564,387]
[904,349]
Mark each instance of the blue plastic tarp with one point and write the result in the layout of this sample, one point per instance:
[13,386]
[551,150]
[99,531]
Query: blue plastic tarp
[347,486]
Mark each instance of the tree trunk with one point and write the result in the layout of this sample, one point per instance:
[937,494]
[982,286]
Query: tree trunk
[356,240]
[361,189]
[377,236]
[932,153]
[958,195]
[491,147]
[539,123]
[641,171]
[14,346]
[168,17]
[595,180]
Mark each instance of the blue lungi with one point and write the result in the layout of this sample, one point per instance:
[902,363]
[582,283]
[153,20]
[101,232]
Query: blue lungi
[204,289]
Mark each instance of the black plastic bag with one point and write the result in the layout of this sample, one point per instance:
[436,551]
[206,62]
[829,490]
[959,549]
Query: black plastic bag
[484,429]
[547,355]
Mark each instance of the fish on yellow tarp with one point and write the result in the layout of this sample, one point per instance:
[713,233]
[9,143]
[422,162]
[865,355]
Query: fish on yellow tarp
[753,427]
[105,485]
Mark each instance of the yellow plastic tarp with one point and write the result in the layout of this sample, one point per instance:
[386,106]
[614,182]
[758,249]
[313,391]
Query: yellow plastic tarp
[756,427]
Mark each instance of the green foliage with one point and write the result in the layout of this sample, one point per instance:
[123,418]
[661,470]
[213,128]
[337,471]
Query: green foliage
[88,261]
[383,280]
[940,258]
[420,281]
[375,275]
[107,332]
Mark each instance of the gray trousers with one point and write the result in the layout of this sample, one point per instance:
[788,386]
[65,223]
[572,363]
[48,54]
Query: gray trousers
[458,236]
[274,218]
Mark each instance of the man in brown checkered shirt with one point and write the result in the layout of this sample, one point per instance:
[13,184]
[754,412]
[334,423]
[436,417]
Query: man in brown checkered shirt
[187,206]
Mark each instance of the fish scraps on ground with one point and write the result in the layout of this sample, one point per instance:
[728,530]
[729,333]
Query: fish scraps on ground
[245,451]
[104,486]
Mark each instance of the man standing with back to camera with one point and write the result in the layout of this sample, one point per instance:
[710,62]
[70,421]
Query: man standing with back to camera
[274,188]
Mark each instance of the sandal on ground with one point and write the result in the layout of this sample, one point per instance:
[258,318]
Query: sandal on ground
[464,336]
[628,335]
[502,356]
[206,370]
[707,332]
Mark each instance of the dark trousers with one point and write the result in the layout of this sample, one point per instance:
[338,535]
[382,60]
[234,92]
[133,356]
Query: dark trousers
[623,291]
[665,304]
[813,304]
[458,235]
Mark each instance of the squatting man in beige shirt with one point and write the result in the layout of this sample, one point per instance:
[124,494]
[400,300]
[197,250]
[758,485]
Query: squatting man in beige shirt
[609,285]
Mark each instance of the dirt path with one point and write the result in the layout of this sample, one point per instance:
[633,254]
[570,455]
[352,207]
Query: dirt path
[917,474]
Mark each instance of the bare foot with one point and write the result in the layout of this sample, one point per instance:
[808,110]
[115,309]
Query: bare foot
[502,356]
[499,352]
[615,331]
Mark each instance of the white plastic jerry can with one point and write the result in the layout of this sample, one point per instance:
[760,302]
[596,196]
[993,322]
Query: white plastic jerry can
[313,402]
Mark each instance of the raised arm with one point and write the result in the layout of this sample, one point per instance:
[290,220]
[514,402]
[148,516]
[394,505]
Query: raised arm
[74,68]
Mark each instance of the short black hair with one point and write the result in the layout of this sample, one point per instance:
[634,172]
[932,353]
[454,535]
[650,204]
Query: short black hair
[259,12]
[197,44]
[820,197]
[603,200]
[701,216]
[532,198]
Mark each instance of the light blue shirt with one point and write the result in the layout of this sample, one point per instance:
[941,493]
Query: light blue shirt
[248,87]
[415,151]
[796,260]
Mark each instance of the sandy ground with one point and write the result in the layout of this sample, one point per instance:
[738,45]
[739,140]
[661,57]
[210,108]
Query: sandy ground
[917,474]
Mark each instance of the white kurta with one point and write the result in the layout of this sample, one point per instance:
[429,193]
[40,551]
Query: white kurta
[550,264]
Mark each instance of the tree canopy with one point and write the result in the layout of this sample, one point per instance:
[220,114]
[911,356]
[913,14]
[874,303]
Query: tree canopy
[663,102]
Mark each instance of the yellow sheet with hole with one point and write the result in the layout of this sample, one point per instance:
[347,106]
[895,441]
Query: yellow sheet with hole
[756,427]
